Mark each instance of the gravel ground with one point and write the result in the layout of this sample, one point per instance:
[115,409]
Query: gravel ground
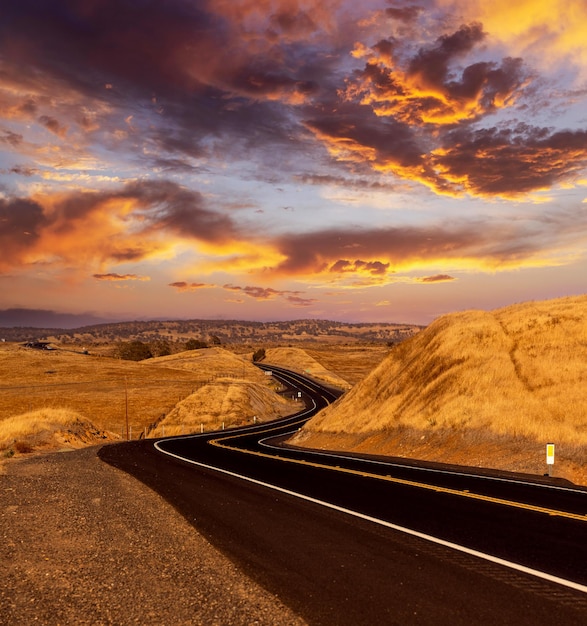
[83,543]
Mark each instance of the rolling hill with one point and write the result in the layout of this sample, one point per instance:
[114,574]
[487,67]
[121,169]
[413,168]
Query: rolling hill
[475,388]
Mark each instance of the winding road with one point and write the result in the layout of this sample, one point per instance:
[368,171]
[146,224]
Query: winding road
[346,539]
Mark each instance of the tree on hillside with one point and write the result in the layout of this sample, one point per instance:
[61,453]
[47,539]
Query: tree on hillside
[258,355]
[134,351]
[195,344]
[160,348]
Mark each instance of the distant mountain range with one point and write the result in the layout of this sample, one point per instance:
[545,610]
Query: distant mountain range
[215,331]
[42,318]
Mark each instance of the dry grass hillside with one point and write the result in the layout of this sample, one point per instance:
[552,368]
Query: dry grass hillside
[223,405]
[49,429]
[300,361]
[477,388]
[54,399]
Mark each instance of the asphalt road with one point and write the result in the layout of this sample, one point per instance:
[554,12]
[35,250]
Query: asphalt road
[346,540]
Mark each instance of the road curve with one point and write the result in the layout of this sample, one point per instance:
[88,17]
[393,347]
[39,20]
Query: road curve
[362,540]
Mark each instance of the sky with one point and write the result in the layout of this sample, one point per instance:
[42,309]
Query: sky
[291,159]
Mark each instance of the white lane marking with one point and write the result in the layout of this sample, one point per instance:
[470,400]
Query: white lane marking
[516,481]
[408,531]
[334,455]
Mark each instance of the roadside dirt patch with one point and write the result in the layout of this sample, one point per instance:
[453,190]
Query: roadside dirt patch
[83,543]
[466,448]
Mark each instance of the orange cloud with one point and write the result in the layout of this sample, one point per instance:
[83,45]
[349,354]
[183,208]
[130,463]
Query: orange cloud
[438,278]
[374,268]
[548,30]
[426,90]
[85,229]
[120,277]
[268,293]
[320,256]
[184,286]
[419,117]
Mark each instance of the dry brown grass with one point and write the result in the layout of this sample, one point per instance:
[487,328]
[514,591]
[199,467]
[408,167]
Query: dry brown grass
[225,403]
[48,429]
[299,360]
[98,388]
[105,390]
[518,372]
[351,363]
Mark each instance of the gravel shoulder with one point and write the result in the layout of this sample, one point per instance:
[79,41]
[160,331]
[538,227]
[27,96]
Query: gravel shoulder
[84,543]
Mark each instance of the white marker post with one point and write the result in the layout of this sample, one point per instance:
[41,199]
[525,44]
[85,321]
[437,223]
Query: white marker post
[550,457]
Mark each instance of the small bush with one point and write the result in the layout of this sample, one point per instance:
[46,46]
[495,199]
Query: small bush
[23,447]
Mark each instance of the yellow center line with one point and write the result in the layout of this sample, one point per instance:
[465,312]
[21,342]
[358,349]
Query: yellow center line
[401,481]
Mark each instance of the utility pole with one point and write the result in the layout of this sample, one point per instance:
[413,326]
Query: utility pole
[126,407]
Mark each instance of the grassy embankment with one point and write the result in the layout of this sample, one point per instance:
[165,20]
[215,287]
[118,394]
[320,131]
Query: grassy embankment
[56,399]
[479,388]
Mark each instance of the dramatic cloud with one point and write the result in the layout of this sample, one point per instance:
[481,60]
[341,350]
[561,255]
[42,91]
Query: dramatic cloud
[110,226]
[508,243]
[511,162]
[343,266]
[287,145]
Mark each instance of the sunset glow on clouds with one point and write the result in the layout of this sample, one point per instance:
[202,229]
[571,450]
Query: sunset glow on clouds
[278,159]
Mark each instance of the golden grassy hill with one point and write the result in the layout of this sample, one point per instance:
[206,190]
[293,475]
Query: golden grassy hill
[477,388]
[299,360]
[223,404]
[210,362]
[100,392]
[50,429]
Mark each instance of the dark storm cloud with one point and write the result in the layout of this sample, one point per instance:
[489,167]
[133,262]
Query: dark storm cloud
[351,127]
[493,243]
[177,209]
[404,14]
[430,90]
[21,222]
[191,70]
[512,161]
[327,250]
[433,63]
[158,205]
[138,43]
